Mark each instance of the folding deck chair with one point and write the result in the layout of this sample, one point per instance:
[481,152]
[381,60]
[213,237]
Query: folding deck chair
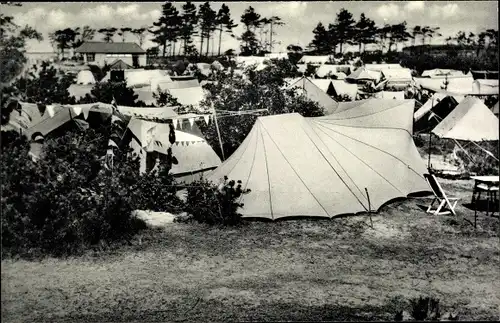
[440,196]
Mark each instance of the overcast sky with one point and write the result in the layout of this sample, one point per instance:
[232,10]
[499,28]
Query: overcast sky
[300,17]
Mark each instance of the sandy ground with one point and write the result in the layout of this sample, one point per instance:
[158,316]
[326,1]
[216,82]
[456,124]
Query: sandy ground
[339,269]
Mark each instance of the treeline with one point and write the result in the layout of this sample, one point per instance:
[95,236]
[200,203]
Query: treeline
[175,31]
[345,30]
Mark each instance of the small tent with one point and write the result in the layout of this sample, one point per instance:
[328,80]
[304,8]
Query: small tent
[333,71]
[141,77]
[315,60]
[399,77]
[456,84]
[432,102]
[85,77]
[381,67]
[305,86]
[399,95]
[277,55]
[120,65]
[362,75]
[439,72]
[471,120]
[343,88]
[188,96]
[320,167]
[217,65]
[195,156]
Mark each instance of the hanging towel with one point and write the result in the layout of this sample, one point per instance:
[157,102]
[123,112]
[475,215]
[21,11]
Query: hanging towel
[207,119]
[174,122]
[191,122]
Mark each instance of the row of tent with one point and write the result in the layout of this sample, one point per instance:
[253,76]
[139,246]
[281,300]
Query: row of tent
[355,159]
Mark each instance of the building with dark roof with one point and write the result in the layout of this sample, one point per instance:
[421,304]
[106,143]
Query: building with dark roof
[101,53]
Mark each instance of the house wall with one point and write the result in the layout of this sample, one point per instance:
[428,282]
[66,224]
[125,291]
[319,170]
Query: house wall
[103,59]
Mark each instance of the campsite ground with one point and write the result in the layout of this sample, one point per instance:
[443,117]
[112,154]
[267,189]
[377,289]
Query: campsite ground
[291,270]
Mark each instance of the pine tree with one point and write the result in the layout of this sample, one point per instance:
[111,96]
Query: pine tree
[167,27]
[320,43]
[224,21]
[344,28]
[365,32]
[207,23]
[252,21]
[188,30]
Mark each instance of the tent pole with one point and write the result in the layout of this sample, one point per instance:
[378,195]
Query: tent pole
[429,152]
[369,207]
[218,132]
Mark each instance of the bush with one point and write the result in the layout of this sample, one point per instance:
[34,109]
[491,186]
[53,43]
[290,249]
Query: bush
[478,161]
[425,308]
[212,204]
[65,202]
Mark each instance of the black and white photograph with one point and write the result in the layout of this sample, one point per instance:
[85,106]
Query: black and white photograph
[234,161]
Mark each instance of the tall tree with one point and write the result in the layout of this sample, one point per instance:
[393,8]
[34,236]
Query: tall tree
[320,43]
[398,34]
[140,33]
[83,35]
[365,31]
[208,24]
[123,32]
[273,21]
[224,21]
[416,31]
[108,34]
[64,39]
[189,21]
[168,27]
[344,28]
[429,32]
[252,21]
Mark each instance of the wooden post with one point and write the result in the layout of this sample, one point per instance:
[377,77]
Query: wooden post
[369,207]
[218,132]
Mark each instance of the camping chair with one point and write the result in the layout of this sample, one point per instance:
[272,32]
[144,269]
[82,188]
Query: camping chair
[440,196]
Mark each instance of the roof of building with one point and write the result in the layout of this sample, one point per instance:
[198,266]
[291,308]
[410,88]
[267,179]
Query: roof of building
[115,48]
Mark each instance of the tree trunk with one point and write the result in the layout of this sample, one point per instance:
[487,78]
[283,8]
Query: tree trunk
[271,39]
[208,43]
[164,48]
[359,50]
[201,44]
[173,48]
[220,39]
[341,47]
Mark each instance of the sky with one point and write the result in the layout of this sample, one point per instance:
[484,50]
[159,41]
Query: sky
[300,18]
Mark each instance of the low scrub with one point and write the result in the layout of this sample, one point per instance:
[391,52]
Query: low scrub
[212,204]
[67,201]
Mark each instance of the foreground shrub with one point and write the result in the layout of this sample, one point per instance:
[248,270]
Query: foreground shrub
[212,204]
[66,201]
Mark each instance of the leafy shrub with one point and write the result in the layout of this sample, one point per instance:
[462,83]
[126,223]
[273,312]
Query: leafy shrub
[212,204]
[66,201]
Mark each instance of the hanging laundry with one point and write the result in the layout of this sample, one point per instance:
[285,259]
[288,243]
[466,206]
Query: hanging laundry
[191,122]
[207,119]
[86,111]
[76,110]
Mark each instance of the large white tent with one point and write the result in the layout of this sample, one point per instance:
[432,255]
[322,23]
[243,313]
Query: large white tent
[141,77]
[85,77]
[320,167]
[431,103]
[471,120]
[305,86]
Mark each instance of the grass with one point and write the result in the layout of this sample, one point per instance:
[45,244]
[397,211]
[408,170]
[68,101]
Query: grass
[311,270]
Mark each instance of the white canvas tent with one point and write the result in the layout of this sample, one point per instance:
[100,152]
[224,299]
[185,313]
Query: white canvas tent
[315,60]
[320,167]
[195,156]
[431,103]
[277,55]
[305,86]
[362,74]
[85,77]
[439,72]
[460,85]
[337,71]
[343,88]
[188,96]
[399,95]
[381,67]
[141,77]
[471,120]
[397,76]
